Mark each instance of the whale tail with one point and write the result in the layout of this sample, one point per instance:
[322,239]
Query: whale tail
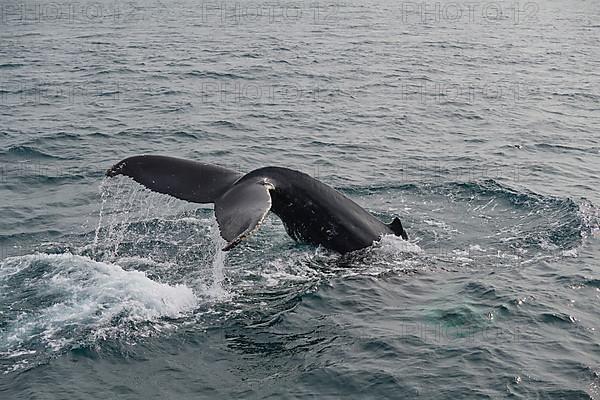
[397,228]
[241,210]
[184,179]
[243,201]
[240,207]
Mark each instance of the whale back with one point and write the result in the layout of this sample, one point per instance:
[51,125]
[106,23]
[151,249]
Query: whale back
[316,213]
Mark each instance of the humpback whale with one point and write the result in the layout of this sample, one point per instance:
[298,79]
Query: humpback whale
[311,211]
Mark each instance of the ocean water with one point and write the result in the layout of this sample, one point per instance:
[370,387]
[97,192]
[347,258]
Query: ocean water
[478,124]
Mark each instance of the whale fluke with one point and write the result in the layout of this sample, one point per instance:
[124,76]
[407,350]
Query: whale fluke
[311,211]
[184,179]
[241,210]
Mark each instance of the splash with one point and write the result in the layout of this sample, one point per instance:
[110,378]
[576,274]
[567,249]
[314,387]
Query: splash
[54,302]
[217,289]
[131,217]
[100,213]
[590,219]
[151,260]
[394,246]
[145,230]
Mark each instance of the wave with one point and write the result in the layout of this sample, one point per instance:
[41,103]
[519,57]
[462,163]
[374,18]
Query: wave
[153,259]
[53,303]
[29,152]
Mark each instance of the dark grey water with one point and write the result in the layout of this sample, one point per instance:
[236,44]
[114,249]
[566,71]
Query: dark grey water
[477,123]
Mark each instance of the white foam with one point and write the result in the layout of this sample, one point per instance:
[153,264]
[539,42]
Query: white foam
[570,253]
[195,221]
[394,245]
[280,271]
[86,295]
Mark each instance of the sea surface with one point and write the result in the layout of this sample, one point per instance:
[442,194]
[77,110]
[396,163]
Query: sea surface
[478,124]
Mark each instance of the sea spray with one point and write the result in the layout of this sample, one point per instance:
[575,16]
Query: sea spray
[113,217]
[216,289]
[159,231]
[124,212]
[103,197]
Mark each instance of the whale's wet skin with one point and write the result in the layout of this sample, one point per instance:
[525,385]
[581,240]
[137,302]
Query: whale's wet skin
[109,290]
[311,211]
